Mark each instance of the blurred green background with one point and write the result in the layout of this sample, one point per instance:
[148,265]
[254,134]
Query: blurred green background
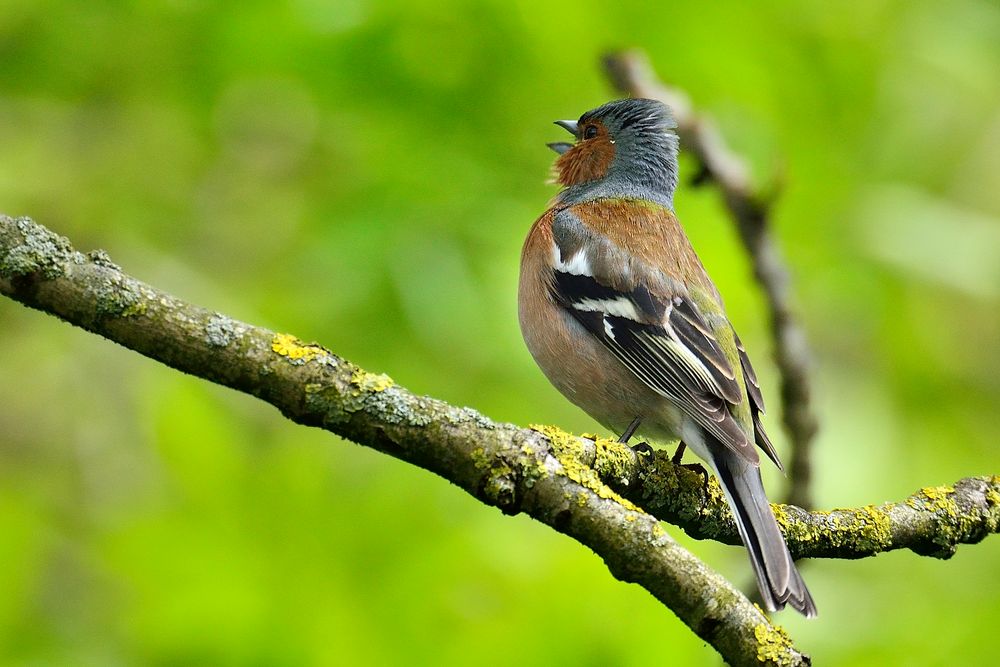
[362,174]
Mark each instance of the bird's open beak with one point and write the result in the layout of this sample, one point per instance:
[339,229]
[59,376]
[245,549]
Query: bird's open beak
[563,146]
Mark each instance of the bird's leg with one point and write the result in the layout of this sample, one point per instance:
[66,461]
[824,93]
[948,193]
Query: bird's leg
[627,435]
[676,458]
[700,469]
[642,448]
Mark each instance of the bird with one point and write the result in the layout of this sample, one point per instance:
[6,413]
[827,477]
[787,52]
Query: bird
[618,311]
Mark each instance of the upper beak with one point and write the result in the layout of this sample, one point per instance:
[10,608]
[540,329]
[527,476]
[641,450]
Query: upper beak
[560,146]
[568,125]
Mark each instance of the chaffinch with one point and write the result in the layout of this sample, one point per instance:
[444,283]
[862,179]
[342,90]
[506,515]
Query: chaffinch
[621,316]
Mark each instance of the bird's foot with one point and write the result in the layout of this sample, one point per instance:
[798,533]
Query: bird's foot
[700,469]
[696,468]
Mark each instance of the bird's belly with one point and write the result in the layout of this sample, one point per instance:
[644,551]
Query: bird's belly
[586,373]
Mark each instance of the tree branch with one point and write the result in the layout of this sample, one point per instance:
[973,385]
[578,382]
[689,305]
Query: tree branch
[587,488]
[632,74]
[933,521]
[514,469]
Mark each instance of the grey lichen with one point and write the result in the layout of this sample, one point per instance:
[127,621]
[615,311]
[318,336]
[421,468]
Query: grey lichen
[391,405]
[324,399]
[101,258]
[221,330]
[118,296]
[38,250]
[374,394]
[466,415]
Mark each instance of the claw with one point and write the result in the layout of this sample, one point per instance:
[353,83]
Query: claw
[642,449]
[699,469]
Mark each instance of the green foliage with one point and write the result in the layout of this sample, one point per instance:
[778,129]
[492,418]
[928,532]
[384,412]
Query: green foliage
[362,174]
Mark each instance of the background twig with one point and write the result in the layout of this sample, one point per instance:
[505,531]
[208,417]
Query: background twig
[631,74]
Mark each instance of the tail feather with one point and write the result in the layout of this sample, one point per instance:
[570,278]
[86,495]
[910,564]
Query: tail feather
[777,577]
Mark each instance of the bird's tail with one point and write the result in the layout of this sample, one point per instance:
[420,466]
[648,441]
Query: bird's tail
[777,578]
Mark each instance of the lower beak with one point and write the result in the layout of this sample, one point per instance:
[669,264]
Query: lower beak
[560,146]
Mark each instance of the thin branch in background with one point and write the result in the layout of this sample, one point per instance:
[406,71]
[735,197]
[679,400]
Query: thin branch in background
[631,74]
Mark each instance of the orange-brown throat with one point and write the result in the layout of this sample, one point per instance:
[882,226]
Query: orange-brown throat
[588,159]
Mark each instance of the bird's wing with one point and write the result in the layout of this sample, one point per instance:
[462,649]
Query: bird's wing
[651,324]
[756,404]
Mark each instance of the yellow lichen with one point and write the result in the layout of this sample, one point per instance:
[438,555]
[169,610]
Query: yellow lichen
[613,459]
[137,308]
[479,459]
[938,498]
[295,350]
[532,465]
[877,526]
[935,492]
[569,450]
[774,646]
[780,515]
[797,530]
[371,382]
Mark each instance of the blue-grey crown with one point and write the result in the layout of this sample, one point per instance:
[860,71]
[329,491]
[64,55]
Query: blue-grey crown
[638,117]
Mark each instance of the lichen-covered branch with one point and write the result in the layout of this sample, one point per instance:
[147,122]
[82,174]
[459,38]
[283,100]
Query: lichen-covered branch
[632,74]
[588,488]
[514,469]
[933,521]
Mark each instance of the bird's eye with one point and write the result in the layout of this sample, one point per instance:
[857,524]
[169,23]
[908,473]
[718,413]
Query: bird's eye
[590,132]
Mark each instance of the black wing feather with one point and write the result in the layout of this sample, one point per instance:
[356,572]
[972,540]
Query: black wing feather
[756,404]
[691,330]
[645,349]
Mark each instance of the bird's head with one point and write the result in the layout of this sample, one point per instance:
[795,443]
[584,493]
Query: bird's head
[628,142]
